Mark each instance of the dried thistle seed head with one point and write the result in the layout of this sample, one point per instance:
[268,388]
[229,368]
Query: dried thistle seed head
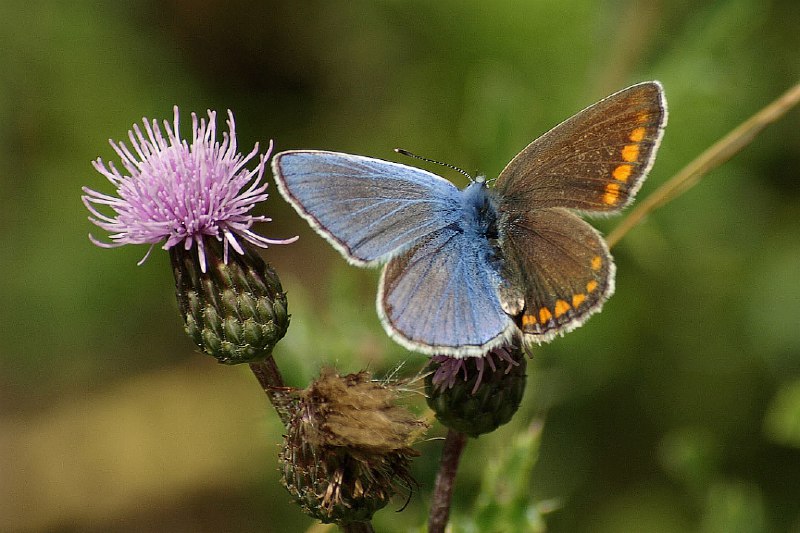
[234,310]
[476,395]
[348,447]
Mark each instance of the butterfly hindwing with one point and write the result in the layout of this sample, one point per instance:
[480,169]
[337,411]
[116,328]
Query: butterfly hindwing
[440,296]
[368,209]
[594,161]
[557,271]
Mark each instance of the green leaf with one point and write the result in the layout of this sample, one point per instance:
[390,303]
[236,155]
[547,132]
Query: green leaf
[504,502]
[734,507]
[782,423]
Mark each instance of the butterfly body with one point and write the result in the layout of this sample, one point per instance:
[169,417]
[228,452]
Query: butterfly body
[479,217]
[469,270]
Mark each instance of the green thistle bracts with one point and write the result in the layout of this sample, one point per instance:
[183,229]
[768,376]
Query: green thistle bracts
[235,312]
[483,401]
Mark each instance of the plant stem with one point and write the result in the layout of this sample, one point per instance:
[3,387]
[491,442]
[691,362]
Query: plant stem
[713,157]
[271,380]
[445,480]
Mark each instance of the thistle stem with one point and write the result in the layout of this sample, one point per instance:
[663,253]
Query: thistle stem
[271,381]
[713,157]
[445,480]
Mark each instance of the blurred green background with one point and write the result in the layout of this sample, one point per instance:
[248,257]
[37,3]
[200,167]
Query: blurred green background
[676,409]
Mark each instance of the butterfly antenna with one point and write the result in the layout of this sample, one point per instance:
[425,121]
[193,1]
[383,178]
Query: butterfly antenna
[448,165]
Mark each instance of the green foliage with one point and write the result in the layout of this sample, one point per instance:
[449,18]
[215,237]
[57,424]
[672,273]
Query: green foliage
[504,502]
[782,423]
[734,508]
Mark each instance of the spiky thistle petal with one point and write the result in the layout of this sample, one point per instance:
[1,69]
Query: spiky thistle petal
[181,193]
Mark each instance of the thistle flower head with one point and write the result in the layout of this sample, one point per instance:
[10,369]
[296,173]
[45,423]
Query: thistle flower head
[448,369]
[476,395]
[181,193]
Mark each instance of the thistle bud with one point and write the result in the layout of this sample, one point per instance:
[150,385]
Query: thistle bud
[348,447]
[196,195]
[476,395]
[234,310]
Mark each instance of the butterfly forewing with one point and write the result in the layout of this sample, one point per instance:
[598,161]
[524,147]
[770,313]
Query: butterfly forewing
[594,161]
[367,208]
[557,271]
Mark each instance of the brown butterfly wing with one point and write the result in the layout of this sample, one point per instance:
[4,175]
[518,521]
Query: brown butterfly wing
[594,161]
[557,270]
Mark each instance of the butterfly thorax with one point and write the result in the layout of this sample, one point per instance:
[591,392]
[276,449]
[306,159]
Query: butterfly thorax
[479,209]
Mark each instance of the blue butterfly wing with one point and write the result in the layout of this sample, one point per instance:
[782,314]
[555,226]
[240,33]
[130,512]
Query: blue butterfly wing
[440,296]
[368,209]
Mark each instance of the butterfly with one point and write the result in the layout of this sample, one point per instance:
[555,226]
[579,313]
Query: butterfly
[469,270]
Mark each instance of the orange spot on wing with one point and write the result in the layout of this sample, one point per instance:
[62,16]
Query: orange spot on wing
[561,307]
[642,117]
[545,315]
[622,172]
[638,134]
[612,193]
[577,299]
[630,153]
[528,320]
[591,286]
[597,262]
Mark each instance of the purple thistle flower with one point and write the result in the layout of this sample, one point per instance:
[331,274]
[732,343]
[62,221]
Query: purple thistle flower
[181,192]
[450,367]
[476,395]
